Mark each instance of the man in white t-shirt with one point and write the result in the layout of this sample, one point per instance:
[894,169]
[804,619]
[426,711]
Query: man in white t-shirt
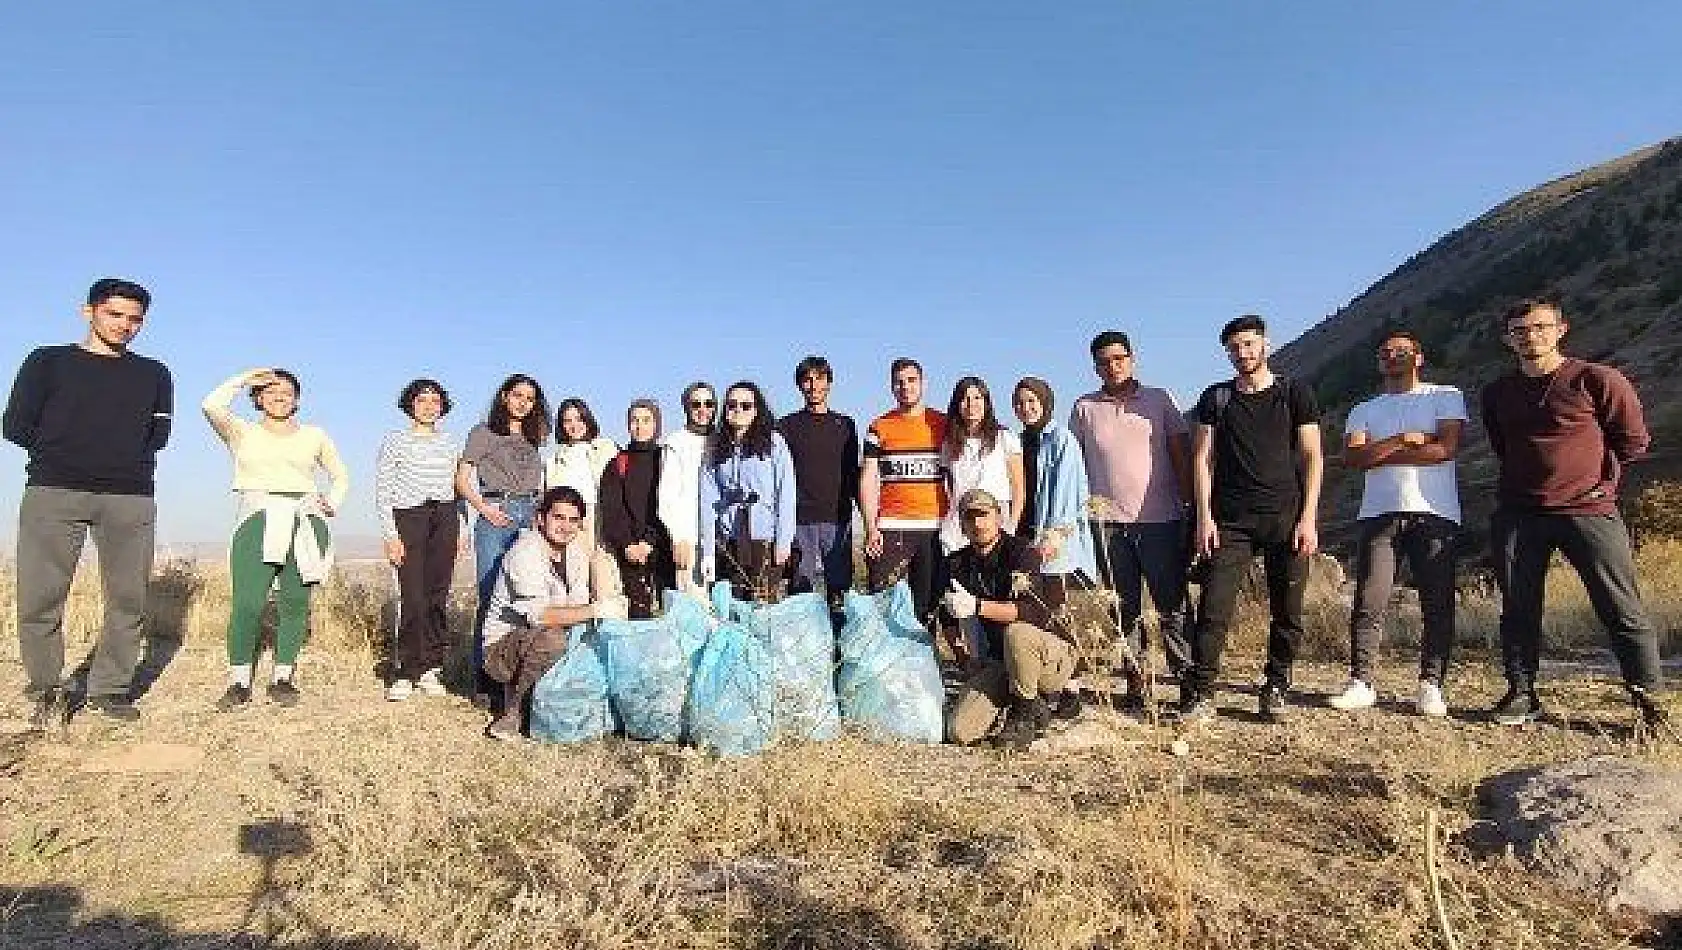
[1405,440]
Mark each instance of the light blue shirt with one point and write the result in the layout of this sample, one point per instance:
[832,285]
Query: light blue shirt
[762,486]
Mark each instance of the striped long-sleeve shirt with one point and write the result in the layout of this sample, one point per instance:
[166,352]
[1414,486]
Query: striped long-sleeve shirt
[413,468]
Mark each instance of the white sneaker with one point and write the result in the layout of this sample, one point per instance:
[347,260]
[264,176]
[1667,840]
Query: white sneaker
[431,683]
[399,690]
[1430,701]
[1357,695]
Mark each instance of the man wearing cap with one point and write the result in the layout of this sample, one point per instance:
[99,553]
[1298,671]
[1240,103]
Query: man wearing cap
[995,580]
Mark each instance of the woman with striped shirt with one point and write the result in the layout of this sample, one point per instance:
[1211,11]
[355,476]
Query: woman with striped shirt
[415,492]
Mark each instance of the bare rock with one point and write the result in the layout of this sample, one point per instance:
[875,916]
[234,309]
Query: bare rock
[1604,826]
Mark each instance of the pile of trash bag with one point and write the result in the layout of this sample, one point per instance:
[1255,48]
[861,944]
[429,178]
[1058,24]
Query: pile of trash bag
[889,680]
[800,639]
[570,703]
[650,664]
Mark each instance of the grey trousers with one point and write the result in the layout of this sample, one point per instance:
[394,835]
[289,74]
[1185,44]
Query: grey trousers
[53,524]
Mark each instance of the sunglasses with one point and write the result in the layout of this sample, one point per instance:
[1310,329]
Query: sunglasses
[703,403]
[975,514]
[735,406]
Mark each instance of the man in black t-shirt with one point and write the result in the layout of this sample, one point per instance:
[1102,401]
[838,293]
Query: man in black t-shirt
[1256,467]
[92,416]
[825,447]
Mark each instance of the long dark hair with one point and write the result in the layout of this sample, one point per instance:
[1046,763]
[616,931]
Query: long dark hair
[755,441]
[591,428]
[952,446]
[535,426]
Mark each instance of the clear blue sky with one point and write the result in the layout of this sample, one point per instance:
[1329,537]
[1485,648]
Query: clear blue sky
[619,197]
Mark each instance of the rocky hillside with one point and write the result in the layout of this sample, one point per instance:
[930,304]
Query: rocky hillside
[1606,240]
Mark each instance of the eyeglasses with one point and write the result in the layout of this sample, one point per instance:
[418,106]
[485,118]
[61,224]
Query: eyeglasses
[735,406]
[975,514]
[703,403]
[1400,354]
[1530,329]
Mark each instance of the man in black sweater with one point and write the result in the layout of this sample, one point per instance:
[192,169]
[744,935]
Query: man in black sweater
[92,416]
[825,447]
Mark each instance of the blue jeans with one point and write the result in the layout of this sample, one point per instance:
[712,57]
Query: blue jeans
[1136,557]
[825,549]
[490,543]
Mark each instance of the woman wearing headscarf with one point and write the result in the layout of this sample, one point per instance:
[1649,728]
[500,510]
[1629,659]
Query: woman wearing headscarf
[631,529]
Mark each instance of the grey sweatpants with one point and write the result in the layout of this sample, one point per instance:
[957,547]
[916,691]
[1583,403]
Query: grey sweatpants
[53,524]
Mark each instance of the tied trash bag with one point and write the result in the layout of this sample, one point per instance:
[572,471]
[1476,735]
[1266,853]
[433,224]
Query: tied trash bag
[889,679]
[798,635]
[570,704]
[649,664]
[733,695]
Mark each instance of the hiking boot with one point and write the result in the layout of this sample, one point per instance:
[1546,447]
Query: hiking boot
[114,708]
[1521,705]
[1025,723]
[1196,709]
[1359,694]
[399,690]
[431,683]
[1136,700]
[1430,701]
[283,693]
[237,695]
[1273,704]
[1653,716]
[52,708]
[1068,705]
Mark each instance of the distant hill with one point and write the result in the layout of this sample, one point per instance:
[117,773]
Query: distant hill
[1607,240]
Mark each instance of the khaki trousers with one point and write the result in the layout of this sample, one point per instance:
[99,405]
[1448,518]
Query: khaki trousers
[1036,663]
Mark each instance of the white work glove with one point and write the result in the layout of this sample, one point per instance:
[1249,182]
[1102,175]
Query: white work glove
[611,608]
[709,570]
[960,603]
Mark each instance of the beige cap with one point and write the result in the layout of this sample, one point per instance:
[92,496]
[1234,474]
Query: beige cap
[979,499]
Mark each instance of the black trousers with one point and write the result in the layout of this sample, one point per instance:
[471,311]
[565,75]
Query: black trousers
[1426,543]
[1287,578]
[1598,548]
[430,533]
[914,556]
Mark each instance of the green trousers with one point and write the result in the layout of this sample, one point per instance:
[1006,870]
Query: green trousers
[252,579]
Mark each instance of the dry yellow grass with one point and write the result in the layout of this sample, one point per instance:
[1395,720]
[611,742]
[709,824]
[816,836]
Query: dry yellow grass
[350,821]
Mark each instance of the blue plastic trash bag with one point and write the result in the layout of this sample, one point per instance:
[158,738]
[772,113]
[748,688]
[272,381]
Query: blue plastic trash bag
[889,680]
[800,638]
[570,704]
[649,665]
[733,695]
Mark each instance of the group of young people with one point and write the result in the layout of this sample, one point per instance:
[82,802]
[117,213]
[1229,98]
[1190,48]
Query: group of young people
[991,528]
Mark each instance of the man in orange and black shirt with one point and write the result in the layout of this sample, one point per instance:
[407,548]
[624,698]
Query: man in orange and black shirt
[902,491]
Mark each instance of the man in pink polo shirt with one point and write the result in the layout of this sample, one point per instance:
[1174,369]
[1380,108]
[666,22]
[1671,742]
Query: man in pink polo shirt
[1136,443]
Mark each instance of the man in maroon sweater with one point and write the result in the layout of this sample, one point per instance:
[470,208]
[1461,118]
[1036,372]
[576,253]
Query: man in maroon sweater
[1563,429]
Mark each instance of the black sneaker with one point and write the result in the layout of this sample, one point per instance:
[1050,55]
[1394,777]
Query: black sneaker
[1068,705]
[1518,707]
[1025,723]
[1653,716]
[235,697]
[51,709]
[283,693]
[114,708]
[1196,710]
[1274,704]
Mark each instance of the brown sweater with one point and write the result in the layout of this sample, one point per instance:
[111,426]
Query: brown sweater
[1564,438]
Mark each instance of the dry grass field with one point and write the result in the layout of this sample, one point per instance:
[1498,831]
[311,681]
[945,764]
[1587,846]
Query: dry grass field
[352,822]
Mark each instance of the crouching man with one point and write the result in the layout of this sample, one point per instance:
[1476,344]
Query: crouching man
[549,582]
[995,581]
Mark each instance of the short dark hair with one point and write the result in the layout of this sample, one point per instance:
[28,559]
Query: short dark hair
[1243,324]
[1111,338]
[813,364]
[105,288]
[903,362]
[1400,333]
[591,428]
[561,494]
[1522,309]
[286,374]
[406,399]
